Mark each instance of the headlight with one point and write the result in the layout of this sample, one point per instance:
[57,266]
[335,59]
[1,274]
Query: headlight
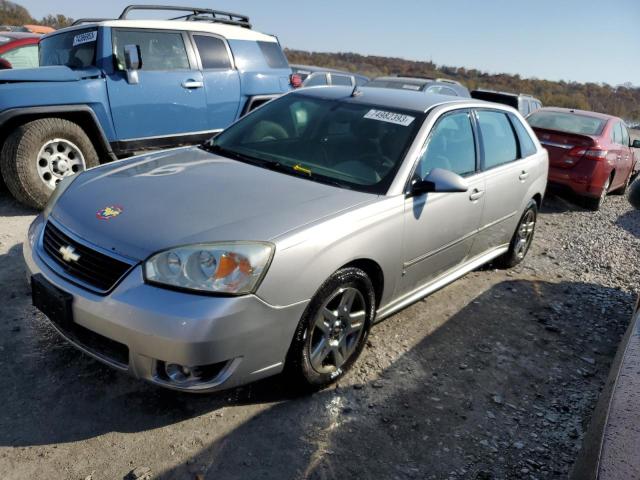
[57,193]
[229,267]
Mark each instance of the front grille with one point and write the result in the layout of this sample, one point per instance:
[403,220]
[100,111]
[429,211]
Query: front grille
[92,268]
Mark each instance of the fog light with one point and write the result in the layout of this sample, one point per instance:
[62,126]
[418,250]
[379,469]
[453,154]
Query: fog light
[178,373]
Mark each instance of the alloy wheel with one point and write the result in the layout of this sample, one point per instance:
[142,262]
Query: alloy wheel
[337,330]
[525,233]
[57,159]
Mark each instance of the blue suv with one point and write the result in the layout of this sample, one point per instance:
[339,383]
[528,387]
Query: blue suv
[108,88]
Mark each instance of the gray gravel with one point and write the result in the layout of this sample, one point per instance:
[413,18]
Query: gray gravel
[492,377]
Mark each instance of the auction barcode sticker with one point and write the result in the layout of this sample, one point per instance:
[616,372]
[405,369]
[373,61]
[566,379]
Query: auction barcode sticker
[86,37]
[391,117]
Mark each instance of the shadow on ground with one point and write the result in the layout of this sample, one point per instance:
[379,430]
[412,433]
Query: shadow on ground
[630,221]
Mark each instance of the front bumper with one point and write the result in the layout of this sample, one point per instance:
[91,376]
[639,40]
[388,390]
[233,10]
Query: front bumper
[243,338]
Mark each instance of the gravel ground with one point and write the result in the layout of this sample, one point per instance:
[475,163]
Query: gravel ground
[493,377]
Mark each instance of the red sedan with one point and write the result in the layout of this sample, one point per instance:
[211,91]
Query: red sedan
[589,152]
[18,50]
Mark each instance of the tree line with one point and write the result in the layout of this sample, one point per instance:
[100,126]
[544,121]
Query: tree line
[622,100]
[14,14]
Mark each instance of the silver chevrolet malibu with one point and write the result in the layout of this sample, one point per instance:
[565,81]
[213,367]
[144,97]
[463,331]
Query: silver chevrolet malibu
[275,246]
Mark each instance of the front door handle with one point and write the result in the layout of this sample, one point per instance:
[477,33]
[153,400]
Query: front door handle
[191,84]
[523,176]
[476,194]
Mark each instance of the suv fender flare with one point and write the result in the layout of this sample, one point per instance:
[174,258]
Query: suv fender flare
[53,110]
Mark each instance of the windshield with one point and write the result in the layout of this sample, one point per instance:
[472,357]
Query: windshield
[567,122]
[75,49]
[330,141]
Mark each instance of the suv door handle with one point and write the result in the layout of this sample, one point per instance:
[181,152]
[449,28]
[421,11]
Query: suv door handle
[523,176]
[190,84]
[476,194]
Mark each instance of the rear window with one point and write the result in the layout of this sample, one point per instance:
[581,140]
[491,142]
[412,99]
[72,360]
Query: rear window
[273,54]
[74,49]
[567,122]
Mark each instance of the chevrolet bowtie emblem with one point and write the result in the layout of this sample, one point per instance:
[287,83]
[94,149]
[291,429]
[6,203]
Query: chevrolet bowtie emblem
[69,254]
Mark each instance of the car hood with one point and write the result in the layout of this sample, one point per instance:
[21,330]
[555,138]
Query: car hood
[187,196]
[47,74]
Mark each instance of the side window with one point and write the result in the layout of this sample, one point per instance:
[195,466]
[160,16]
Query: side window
[450,146]
[159,50]
[341,80]
[316,79]
[527,147]
[625,135]
[617,134]
[22,57]
[498,142]
[525,107]
[213,52]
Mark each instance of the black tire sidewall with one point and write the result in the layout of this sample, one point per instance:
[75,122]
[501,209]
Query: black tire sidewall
[298,364]
[19,156]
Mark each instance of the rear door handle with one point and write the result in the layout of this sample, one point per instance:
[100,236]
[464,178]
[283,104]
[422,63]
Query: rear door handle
[476,194]
[191,84]
[523,176]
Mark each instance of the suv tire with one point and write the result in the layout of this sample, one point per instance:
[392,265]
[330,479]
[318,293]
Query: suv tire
[25,174]
[335,347]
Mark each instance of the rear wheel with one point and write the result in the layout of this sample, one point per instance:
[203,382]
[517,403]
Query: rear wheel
[39,154]
[623,189]
[333,330]
[595,203]
[522,238]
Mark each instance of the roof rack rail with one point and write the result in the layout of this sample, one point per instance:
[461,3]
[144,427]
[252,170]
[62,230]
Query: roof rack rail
[194,14]
[417,77]
[448,80]
[80,21]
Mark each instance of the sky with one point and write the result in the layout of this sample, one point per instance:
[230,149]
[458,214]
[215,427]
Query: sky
[572,40]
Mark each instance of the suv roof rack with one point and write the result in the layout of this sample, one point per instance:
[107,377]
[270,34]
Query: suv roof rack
[194,14]
[417,77]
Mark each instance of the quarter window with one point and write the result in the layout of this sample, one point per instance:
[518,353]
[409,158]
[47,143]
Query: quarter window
[498,142]
[625,135]
[159,50]
[527,147]
[213,52]
[273,54]
[451,146]
[617,134]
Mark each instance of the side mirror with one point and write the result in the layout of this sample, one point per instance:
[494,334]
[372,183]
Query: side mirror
[5,64]
[440,180]
[132,62]
[636,144]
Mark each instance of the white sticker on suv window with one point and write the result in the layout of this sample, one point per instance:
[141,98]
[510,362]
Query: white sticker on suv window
[86,37]
[391,117]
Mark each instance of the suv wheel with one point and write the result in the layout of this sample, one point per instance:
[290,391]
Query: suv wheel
[333,330]
[522,238]
[38,154]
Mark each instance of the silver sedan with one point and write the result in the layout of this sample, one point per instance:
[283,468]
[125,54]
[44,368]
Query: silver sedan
[275,246]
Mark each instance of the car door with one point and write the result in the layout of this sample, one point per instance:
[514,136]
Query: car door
[221,80]
[169,98]
[626,154]
[439,228]
[508,170]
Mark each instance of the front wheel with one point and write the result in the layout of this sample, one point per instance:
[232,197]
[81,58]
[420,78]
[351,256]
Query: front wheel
[37,155]
[522,238]
[333,330]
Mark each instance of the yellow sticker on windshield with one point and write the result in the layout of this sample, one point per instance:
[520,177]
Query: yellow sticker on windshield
[300,168]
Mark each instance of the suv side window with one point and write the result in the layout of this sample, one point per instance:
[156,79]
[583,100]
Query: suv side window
[527,147]
[316,79]
[273,54]
[159,50]
[499,144]
[451,145]
[213,52]
[341,80]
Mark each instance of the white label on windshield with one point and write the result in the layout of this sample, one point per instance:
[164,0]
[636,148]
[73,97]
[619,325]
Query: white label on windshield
[391,117]
[86,37]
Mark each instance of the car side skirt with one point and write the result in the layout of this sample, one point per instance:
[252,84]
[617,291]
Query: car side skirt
[439,282]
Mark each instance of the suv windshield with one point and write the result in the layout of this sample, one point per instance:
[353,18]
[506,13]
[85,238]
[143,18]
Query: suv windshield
[567,122]
[75,49]
[330,141]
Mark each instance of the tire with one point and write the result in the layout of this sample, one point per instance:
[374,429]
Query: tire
[25,176]
[522,238]
[595,203]
[312,364]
